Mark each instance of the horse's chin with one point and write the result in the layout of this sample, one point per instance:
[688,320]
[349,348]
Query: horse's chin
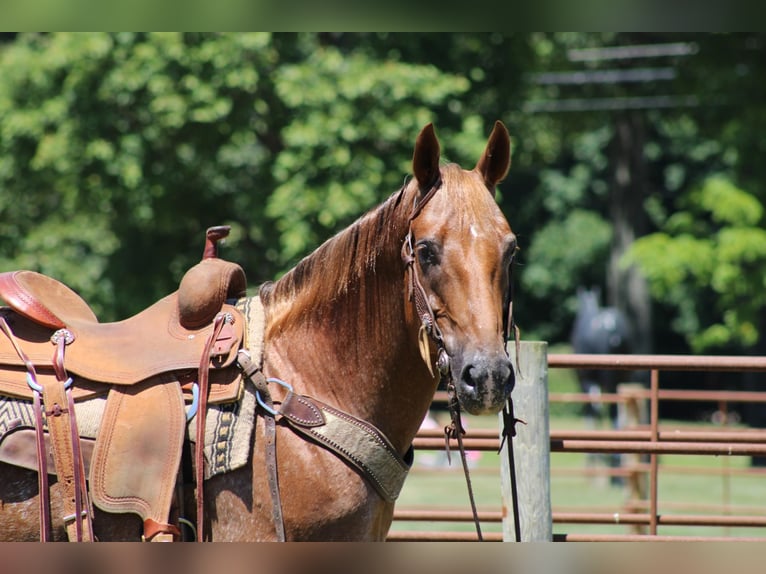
[479,405]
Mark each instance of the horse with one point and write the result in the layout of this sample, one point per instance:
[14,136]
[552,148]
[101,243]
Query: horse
[599,330]
[346,326]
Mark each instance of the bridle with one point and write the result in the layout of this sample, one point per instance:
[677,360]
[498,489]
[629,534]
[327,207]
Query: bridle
[429,329]
[417,294]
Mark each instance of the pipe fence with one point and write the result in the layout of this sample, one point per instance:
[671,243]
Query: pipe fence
[640,442]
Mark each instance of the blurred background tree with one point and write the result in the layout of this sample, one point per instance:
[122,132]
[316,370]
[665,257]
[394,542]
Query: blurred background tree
[636,164]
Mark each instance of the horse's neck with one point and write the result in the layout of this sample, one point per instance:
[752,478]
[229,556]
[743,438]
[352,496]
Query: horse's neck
[356,351]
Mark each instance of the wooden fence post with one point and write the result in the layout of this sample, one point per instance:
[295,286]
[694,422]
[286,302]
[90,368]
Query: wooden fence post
[632,412]
[531,448]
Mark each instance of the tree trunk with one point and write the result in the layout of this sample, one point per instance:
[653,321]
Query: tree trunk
[626,287]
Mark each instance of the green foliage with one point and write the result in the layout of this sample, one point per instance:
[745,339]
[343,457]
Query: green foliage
[555,271]
[350,116]
[117,150]
[709,263]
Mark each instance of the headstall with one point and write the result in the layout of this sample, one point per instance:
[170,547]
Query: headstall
[430,329]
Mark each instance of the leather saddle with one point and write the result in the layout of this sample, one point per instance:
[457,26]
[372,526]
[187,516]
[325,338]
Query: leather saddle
[141,363]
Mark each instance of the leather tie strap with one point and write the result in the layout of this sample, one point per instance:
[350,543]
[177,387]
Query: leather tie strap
[456,431]
[42,457]
[509,431]
[252,372]
[199,451]
[65,444]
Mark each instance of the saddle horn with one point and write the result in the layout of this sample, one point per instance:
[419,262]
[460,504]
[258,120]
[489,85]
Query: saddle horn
[212,236]
[206,286]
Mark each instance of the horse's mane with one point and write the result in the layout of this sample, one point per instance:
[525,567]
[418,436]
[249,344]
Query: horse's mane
[341,262]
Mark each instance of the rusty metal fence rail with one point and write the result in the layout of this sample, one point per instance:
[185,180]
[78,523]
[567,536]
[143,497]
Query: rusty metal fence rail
[653,441]
[647,440]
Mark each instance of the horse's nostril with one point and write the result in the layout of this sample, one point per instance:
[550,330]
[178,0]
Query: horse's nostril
[478,374]
[474,375]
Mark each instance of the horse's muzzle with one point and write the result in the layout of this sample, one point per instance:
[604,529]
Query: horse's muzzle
[485,382]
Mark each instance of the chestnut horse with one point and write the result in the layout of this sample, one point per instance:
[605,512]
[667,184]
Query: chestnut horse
[342,327]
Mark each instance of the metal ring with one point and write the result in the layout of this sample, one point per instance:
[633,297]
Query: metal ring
[35,386]
[195,402]
[190,524]
[266,407]
[288,386]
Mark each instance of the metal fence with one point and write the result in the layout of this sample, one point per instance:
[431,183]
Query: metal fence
[644,439]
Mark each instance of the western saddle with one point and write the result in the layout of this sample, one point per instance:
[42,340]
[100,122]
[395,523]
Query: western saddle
[144,365]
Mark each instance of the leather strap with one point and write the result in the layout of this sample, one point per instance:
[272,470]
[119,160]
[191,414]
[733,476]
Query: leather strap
[252,371]
[42,472]
[199,451]
[356,441]
[157,532]
[509,431]
[455,430]
[42,454]
[59,412]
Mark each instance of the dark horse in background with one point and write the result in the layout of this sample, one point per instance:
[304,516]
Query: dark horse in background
[599,330]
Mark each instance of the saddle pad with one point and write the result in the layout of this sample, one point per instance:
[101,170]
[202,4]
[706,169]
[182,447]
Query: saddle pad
[228,429]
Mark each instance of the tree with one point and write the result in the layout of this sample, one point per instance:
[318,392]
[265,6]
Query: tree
[118,150]
[667,128]
[708,263]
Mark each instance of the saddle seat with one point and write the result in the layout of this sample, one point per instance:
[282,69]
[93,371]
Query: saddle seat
[167,336]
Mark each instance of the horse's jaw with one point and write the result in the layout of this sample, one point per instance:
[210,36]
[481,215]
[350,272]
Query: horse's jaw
[483,382]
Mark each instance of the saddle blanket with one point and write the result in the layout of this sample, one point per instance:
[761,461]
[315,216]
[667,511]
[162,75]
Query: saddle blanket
[228,427]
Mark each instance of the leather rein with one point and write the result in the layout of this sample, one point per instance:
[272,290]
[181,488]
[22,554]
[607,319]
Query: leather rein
[429,329]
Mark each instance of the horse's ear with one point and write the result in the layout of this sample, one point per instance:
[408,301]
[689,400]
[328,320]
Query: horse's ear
[425,159]
[496,159]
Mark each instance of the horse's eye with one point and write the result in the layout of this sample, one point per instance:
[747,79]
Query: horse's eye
[428,254]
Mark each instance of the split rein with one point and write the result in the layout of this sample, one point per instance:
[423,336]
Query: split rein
[430,330]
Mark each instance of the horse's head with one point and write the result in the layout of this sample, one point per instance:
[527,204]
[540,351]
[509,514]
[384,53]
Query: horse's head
[460,249]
